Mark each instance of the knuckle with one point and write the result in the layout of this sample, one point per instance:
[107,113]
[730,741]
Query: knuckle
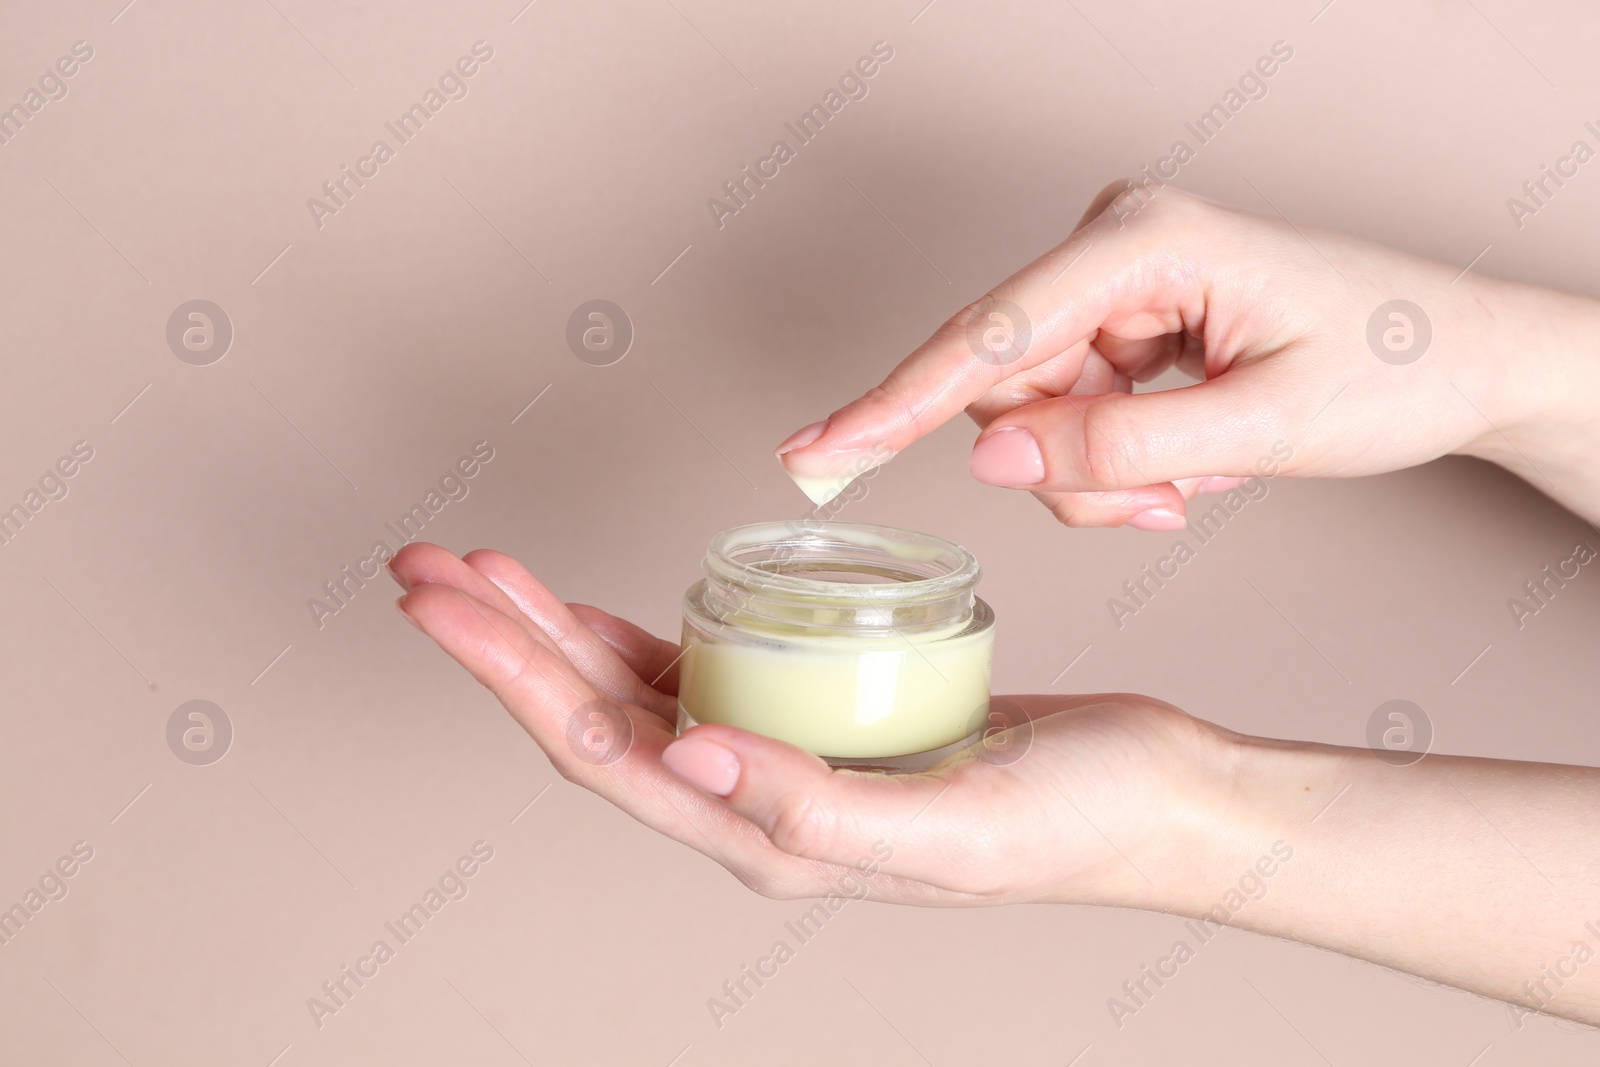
[894,399]
[1069,510]
[956,329]
[955,332]
[1110,446]
[956,324]
[1147,202]
[802,827]
[1112,188]
[1126,200]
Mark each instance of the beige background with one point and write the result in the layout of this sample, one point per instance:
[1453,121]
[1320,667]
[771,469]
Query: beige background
[431,310]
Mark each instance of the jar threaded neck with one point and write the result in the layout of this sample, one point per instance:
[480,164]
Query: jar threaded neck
[822,574]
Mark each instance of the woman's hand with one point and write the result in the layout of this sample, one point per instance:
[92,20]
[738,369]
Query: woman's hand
[1305,369]
[1483,874]
[1080,799]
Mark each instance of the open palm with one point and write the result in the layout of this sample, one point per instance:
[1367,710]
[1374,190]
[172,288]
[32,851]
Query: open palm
[1070,798]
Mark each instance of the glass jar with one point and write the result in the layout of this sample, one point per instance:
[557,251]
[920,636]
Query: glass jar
[862,644]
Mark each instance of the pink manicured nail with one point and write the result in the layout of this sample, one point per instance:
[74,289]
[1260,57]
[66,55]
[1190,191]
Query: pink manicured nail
[801,437]
[1159,519]
[400,606]
[1010,456]
[703,764]
[1219,485]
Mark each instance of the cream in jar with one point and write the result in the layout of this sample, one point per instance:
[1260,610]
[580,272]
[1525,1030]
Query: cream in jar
[855,642]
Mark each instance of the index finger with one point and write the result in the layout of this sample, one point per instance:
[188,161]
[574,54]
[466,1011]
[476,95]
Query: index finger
[1132,278]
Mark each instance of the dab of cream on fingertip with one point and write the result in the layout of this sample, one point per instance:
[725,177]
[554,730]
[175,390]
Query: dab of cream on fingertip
[846,468]
[818,490]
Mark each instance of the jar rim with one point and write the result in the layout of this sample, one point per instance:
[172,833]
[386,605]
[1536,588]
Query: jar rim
[934,567]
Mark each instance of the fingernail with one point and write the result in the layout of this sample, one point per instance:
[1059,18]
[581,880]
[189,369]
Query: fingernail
[703,764]
[802,437]
[1218,484]
[1010,456]
[401,582]
[400,606]
[1158,519]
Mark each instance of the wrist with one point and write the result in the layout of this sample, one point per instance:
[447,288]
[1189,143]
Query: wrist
[1539,389]
[1253,807]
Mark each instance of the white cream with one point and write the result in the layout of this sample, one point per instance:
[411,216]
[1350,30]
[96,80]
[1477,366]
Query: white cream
[843,694]
[819,490]
[821,478]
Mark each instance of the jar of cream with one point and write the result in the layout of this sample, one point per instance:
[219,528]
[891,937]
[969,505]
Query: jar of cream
[862,644]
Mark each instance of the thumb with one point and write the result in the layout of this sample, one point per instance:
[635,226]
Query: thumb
[1228,426]
[811,810]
